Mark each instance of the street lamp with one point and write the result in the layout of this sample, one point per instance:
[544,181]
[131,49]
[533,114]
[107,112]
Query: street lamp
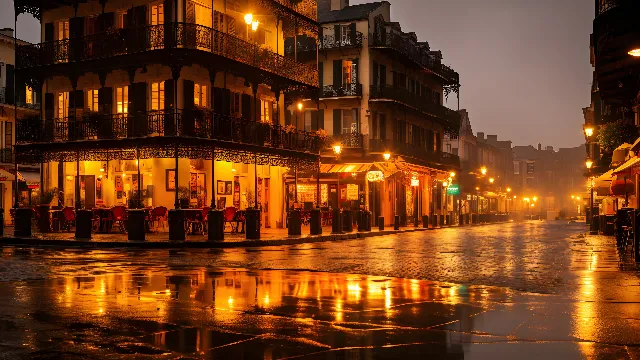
[588,131]
[491,180]
[634,52]
[337,149]
[452,174]
[589,164]
[483,170]
[300,106]
[386,156]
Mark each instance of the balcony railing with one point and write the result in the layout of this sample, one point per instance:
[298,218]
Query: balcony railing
[393,40]
[345,90]
[306,8]
[329,42]
[348,140]
[606,5]
[414,151]
[117,42]
[200,123]
[423,103]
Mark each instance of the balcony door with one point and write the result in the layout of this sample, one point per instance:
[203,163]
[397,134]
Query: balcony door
[62,45]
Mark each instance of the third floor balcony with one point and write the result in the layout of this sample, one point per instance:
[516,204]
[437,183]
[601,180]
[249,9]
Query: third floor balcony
[153,38]
[413,151]
[329,91]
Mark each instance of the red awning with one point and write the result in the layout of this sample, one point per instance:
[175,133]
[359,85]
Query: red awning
[620,188]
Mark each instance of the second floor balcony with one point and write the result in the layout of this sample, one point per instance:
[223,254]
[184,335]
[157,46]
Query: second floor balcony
[119,42]
[329,91]
[413,151]
[198,123]
[425,104]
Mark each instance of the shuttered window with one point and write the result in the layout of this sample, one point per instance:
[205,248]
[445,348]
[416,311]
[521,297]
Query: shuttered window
[200,95]
[122,100]
[92,100]
[157,95]
[157,14]
[63,105]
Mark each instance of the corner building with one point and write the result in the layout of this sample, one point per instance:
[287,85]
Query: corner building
[163,98]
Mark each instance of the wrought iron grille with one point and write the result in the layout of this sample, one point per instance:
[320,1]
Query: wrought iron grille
[344,90]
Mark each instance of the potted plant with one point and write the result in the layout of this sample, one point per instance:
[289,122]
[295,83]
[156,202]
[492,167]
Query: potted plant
[184,195]
[43,209]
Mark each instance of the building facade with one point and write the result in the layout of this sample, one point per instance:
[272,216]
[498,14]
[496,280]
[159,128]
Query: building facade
[381,92]
[174,103]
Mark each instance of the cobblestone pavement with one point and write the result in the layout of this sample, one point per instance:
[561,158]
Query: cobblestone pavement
[520,290]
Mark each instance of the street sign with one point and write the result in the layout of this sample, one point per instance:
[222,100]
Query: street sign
[453,189]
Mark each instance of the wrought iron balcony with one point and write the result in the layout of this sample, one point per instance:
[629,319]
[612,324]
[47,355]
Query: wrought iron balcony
[306,8]
[117,42]
[414,151]
[393,40]
[349,140]
[423,103]
[198,123]
[329,42]
[329,91]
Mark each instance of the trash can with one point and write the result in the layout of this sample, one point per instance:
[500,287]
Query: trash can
[316,222]
[252,219]
[83,224]
[425,221]
[396,222]
[347,221]
[22,222]
[215,225]
[294,225]
[381,223]
[176,225]
[336,222]
[136,224]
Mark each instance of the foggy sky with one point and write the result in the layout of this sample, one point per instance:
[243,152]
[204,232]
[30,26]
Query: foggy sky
[523,64]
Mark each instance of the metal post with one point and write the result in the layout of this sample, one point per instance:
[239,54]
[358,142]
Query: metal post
[176,203]
[78,200]
[213,178]
[255,196]
[295,188]
[139,202]
[318,197]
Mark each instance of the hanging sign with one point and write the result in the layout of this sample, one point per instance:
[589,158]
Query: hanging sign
[375,176]
[453,189]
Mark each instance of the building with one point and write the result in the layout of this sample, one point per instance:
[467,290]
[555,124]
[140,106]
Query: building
[25,102]
[382,92]
[173,103]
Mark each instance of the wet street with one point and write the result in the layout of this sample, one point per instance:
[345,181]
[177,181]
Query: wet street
[520,290]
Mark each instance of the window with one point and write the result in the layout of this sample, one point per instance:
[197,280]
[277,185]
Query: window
[265,111]
[122,100]
[63,29]
[120,16]
[157,14]
[345,35]
[516,167]
[8,135]
[200,95]
[63,105]
[530,168]
[349,122]
[29,95]
[347,72]
[307,121]
[157,95]
[92,100]
[531,182]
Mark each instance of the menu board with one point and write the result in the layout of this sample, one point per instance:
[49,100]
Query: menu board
[352,192]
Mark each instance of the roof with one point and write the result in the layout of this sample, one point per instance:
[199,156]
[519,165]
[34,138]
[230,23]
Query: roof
[349,13]
[525,152]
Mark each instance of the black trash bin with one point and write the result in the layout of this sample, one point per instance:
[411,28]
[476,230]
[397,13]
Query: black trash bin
[294,224]
[22,222]
[176,225]
[381,223]
[215,225]
[315,227]
[136,224]
[425,221]
[83,224]
[347,221]
[252,219]
[396,222]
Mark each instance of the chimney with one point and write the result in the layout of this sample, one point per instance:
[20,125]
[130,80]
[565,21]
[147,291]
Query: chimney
[480,136]
[339,4]
[539,147]
[7,32]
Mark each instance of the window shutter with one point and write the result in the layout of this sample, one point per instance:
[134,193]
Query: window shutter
[9,92]
[48,32]
[188,93]
[321,119]
[337,74]
[356,70]
[169,94]
[337,34]
[246,106]
[217,100]
[48,106]
[352,28]
[139,98]
[376,74]
[321,74]
[287,117]
[438,143]
[76,27]
[314,120]
[141,16]
[337,122]
[383,75]
[105,100]
[168,11]
[106,21]
[129,18]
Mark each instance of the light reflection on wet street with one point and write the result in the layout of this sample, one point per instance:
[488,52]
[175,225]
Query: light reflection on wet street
[504,291]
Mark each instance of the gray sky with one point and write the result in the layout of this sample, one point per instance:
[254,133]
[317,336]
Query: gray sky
[524,65]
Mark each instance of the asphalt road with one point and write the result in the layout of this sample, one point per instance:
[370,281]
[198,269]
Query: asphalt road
[521,290]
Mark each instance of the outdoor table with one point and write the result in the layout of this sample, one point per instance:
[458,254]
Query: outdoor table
[103,213]
[191,213]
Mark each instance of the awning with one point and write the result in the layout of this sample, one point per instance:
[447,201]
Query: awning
[636,145]
[628,167]
[603,183]
[5,175]
[31,178]
[622,188]
[345,168]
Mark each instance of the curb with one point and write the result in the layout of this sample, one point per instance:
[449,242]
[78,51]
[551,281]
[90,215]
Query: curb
[88,244]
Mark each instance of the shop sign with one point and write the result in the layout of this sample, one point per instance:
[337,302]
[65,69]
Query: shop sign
[352,192]
[375,176]
[453,189]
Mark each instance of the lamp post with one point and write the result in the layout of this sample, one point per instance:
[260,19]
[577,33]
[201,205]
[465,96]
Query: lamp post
[508,199]
[589,165]
[445,185]
[336,222]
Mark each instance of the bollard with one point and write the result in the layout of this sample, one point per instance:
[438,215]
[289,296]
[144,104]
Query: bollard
[434,221]
[336,222]
[396,222]
[22,223]
[215,225]
[347,221]
[316,222]
[83,224]
[294,227]
[44,218]
[176,225]
[361,221]
[252,220]
[136,224]
[636,236]
[381,223]
[367,215]
[461,220]
[416,221]
[441,220]
[425,221]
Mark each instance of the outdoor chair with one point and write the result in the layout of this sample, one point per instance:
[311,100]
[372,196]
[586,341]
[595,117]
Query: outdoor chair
[119,216]
[68,218]
[229,217]
[95,221]
[158,216]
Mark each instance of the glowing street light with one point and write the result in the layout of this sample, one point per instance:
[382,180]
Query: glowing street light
[588,131]
[445,184]
[254,25]
[248,19]
[535,198]
[589,164]
[491,180]
[508,189]
[386,156]
[634,52]
[483,170]
[299,106]
[337,149]
[452,174]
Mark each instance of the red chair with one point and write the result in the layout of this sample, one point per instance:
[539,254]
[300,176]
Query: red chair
[229,217]
[68,218]
[158,216]
[119,214]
